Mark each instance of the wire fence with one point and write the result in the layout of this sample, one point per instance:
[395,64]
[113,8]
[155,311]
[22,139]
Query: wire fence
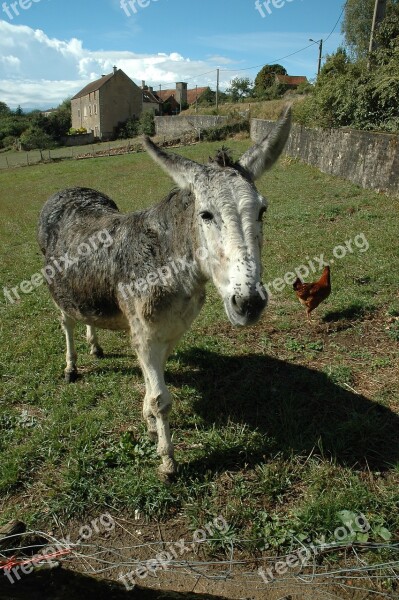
[334,568]
[18,159]
[12,160]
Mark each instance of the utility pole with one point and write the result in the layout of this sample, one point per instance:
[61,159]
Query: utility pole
[379,15]
[320,42]
[217,90]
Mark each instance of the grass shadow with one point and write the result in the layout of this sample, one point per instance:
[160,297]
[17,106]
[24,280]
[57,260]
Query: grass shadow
[61,584]
[298,408]
[351,313]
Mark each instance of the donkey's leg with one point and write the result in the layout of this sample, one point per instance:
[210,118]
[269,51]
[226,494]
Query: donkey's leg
[147,410]
[68,325]
[92,339]
[157,402]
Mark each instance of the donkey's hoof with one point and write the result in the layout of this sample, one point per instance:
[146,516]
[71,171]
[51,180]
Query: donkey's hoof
[168,469]
[97,352]
[71,376]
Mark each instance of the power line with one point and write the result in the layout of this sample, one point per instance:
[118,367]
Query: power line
[276,60]
[340,17]
[272,61]
[186,79]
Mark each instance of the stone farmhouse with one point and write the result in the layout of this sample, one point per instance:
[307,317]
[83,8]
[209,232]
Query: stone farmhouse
[103,104]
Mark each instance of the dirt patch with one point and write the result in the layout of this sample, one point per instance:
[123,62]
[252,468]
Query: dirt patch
[107,565]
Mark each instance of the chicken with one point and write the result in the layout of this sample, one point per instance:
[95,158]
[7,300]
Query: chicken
[311,294]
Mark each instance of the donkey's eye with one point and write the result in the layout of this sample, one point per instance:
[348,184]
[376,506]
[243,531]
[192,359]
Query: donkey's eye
[261,213]
[206,215]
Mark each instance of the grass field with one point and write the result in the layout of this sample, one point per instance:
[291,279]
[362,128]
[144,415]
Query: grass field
[12,158]
[278,427]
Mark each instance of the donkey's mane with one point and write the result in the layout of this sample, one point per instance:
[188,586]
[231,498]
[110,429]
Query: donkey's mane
[224,159]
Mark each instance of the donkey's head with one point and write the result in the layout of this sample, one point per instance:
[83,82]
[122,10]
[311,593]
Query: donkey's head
[229,211]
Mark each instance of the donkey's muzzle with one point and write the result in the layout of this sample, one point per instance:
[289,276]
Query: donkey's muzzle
[248,309]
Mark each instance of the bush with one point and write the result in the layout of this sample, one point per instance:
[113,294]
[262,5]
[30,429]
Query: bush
[128,129]
[304,88]
[34,138]
[215,134]
[349,94]
[80,131]
[146,123]
[133,126]
[9,141]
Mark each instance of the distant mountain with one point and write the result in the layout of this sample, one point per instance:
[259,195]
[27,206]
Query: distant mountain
[28,109]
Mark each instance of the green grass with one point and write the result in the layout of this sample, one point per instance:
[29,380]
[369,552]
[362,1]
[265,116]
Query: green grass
[13,158]
[278,427]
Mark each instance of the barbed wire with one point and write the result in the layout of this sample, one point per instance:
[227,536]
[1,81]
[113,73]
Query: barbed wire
[351,572]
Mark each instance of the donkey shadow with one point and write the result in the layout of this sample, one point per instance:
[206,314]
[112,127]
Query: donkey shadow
[298,409]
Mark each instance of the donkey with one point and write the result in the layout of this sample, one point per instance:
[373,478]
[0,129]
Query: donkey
[151,278]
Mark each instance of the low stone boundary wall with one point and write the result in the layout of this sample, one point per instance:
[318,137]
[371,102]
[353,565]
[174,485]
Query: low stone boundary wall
[370,160]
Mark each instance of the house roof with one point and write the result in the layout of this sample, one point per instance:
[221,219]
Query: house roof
[291,79]
[191,94]
[166,94]
[93,86]
[151,97]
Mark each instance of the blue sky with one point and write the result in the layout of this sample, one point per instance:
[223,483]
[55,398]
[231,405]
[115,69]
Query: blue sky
[49,49]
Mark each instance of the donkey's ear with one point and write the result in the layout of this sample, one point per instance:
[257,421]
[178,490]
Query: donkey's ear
[182,170]
[263,155]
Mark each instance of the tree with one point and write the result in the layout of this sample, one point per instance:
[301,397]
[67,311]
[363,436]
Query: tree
[240,88]
[59,122]
[34,138]
[18,111]
[266,78]
[4,110]
[357,23]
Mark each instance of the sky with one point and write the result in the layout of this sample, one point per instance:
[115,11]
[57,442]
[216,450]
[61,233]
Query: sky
[50,49]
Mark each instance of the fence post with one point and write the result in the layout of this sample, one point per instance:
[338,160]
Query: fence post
[27,158]
[8,166]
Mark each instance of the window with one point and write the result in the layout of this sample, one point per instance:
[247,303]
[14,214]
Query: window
[95,109]
[85,111]
[90,109]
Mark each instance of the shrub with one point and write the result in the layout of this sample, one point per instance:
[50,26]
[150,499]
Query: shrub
[146,123]
[80,131]
[34,138]
[9,141]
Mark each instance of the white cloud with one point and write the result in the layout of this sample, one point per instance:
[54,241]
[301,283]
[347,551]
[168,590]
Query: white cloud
[39,71]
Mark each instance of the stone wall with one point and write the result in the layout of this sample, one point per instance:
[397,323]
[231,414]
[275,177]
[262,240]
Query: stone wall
[78,140]
[175,126]
[370,160]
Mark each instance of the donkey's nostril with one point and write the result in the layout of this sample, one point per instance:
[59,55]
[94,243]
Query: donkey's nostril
[249,307]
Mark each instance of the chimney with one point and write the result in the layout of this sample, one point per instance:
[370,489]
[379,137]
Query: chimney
[151,89]
[181,92]
[143,86]
[115,69]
